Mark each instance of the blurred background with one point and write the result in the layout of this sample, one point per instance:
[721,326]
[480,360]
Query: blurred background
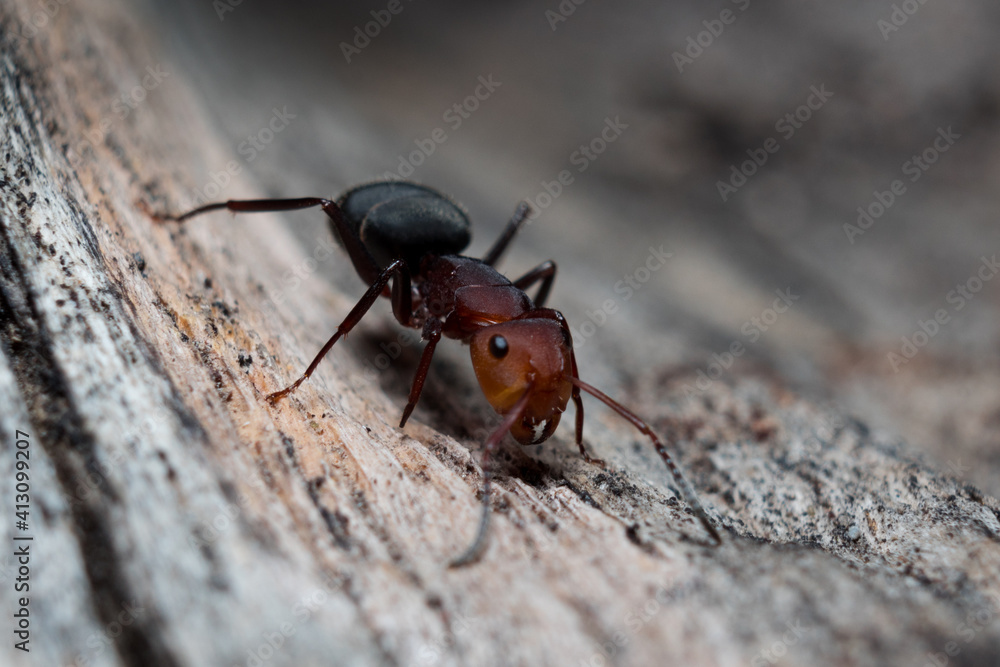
[824,177]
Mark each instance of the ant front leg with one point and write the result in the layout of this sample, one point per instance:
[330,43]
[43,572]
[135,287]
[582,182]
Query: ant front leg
[553,314]
[578,402]
[345,327]
[546,272]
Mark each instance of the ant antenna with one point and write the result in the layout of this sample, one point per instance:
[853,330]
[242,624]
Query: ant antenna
[474,551]
[685,487]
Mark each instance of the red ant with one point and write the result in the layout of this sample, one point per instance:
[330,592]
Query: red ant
[522,352]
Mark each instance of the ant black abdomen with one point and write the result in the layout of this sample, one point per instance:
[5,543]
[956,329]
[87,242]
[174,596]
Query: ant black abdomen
[399,219]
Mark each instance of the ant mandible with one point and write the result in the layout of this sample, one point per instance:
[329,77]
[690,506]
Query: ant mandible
[522,353]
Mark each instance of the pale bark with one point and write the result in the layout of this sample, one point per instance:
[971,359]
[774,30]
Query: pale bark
[165,487]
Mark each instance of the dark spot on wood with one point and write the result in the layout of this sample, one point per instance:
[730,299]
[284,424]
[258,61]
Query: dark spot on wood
[221,305]
[360,502]
[171,473]
[583,495]
[289,446]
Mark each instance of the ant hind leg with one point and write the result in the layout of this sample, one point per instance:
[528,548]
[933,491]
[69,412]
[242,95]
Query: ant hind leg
[363,262]
[521,214]
[239,206]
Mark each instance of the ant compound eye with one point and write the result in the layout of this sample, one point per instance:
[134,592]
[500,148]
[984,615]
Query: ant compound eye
[499,347]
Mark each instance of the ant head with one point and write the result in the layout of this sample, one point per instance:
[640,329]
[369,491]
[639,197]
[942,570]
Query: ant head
[525,355]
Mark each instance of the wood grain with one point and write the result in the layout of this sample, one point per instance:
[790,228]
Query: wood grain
[181,520]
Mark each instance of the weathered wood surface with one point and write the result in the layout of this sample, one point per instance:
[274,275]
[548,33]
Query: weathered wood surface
[180,520]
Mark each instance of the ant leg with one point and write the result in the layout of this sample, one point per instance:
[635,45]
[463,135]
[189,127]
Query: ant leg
[345,327]
[546,272]
[402,299]
[520,215]
[402,308]
[432,332]
[363,262]
[578,402]
[553,314]
[685,487]
[475,550]
[239,206]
